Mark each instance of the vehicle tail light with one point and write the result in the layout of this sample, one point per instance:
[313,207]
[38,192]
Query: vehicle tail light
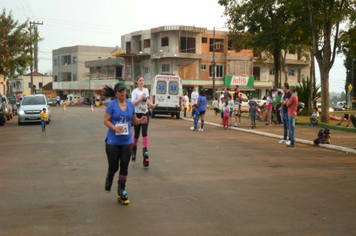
[180,101]
[154,99]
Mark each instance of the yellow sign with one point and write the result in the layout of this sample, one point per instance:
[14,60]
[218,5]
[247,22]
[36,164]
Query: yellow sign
[350,87]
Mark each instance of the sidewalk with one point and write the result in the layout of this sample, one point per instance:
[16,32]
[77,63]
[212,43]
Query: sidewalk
[340,140]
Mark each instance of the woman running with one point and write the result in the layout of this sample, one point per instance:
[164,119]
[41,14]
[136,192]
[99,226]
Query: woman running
[119,115]
[140,99]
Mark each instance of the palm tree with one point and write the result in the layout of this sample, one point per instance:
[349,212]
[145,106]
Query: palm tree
[303,91]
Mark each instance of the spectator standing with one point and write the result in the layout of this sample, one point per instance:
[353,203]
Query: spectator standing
[278,107]
[226,114]
[215,105]
[221,107]
[195,114]
[58,100]
[202,108]
[284,107]
[237,111]
[253,112]
[292,105]
[269,108]
[231,104]
[194,96]
[186,103]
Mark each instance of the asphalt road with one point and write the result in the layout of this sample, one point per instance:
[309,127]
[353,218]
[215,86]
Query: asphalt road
[214,182]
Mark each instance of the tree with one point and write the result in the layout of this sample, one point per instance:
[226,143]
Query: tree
[15,46]
[325,17]
[261,23]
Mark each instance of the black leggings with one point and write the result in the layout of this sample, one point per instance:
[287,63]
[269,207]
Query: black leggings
[144,126]
[118,155]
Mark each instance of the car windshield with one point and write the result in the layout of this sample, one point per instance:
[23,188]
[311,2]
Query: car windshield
[33,101]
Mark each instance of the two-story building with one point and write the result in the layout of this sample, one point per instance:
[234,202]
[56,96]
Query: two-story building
[69,72]
[190,52]
[22,84]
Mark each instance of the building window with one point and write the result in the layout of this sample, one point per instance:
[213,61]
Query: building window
[187,44]
[147,70]
[74,60]
[256,73]
[203,67]
[66,60]
[271,71]
[29,85]
[299,75]
[291,72]
[219,71]
[55,78]
[165,68]
[128,47]
[229,45]
[75,77]
[128,71]
[55,62]
[40,85]
[146,43]
[219,45]
[164,42]
[204,40]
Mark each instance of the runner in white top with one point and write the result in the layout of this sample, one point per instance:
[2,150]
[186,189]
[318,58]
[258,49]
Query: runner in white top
[140,99]
[186,103]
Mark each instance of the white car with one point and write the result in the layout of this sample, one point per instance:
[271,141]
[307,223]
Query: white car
[30,108]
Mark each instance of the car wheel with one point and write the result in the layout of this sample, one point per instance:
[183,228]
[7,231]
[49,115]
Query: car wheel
[2,121]
[19,123]
[178,115]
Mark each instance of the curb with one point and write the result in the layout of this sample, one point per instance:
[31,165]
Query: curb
[329,146]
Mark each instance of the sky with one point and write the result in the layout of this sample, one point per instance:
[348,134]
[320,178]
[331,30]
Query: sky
[101,23]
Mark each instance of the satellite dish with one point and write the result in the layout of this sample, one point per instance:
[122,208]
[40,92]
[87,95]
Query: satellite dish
[40,34]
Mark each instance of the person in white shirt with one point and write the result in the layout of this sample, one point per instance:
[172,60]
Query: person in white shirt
[186,103]
[194,96]
[140,99]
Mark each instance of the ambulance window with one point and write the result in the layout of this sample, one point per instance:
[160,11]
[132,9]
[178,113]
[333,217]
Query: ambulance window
[173,88]
[161,87]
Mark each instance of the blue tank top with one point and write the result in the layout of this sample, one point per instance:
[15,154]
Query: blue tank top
[202,104]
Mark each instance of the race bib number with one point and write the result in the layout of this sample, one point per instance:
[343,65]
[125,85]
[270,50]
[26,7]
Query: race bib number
[125,129]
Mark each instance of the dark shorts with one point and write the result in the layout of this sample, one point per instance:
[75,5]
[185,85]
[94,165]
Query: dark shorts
[201,113]
[222,115]
[216,109]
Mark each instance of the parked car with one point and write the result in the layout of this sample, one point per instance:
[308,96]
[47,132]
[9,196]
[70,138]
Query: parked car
[13,100]
[2,113]
[31,107]
[106,101]
[341,107]
[8,108]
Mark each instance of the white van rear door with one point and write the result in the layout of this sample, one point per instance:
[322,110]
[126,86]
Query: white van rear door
[161,93]
[173,94]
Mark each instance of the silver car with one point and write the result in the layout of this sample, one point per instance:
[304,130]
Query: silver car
[30,108]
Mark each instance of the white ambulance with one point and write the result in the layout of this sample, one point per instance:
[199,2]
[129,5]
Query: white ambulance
[166,93]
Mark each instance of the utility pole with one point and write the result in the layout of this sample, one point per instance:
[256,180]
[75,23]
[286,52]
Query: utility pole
[36,49]
[213,64]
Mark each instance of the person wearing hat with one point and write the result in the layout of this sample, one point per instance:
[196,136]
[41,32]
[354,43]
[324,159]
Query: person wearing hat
[292,105]
[119,115]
